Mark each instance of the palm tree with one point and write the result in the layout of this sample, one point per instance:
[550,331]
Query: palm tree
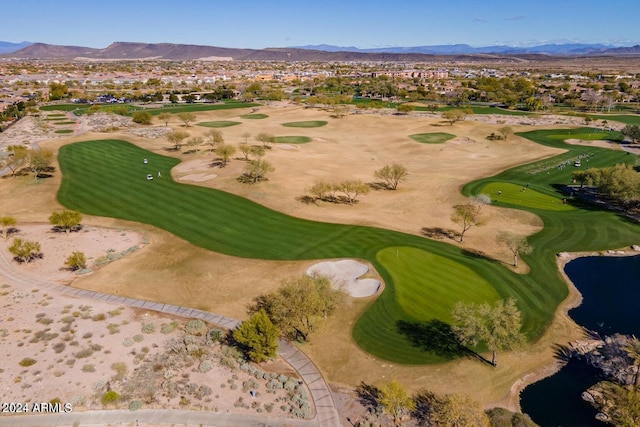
[632,348]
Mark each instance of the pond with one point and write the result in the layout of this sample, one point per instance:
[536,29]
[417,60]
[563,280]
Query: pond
[610,287]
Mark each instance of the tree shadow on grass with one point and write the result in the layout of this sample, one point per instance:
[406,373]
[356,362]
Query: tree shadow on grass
[436,336]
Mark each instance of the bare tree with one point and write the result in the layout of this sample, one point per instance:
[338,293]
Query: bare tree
[16,158]
[505,131]
[225,151]
[266,138]
[195,142]
[38,161]
[352,188]
[392,175]
[467,215]
[515,244]
[187,118]
[214,137]
[176,137]
[6,222]
[256,170]
[165,117]
[246,137]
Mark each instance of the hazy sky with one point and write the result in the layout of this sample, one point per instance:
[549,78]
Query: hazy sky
[279,23]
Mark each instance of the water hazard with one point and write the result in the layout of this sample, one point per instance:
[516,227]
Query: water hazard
[610,287]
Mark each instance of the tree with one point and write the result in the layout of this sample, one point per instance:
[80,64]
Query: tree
[320,190]
[165,117]
[300,304]
[38,161]
[405,108]
[392,175]
[498,326]
[245,149]
[24,250]
[16,158]
[467,215]
[176,137]
[142,117]
[505,131]
[256,170]
[76,261]
[633,351]
[195,142]
[352,188]
[258,336]
[395,401]
[257,151]
[58,91]
[214,137]
[515,244]
[266,139]
[458,411]
[225,151]
[66,220]
[632,131]
[187,118]
[455,115]
[246,137]
[6,222]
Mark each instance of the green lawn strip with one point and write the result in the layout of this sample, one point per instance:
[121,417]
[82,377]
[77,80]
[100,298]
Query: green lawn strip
[80,109]
[432,137]
[519,196]
[218,124]
[63,107]
[254,116]
[64,131]
[292,139]
[306,124]
[483,110]
[628,119]
[64,123]
[55,119]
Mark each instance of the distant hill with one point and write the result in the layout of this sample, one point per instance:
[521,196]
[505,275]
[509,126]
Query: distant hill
[465,49]
[184,52]
[8,47]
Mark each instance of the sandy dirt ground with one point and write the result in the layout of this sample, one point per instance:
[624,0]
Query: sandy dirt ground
[171,270]
[83,348]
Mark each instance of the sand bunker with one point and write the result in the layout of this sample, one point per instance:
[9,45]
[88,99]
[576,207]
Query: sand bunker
[192,165]
[345,273]
[198,177]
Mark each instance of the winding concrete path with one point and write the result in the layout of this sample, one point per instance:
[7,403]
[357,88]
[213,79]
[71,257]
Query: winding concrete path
[326,411]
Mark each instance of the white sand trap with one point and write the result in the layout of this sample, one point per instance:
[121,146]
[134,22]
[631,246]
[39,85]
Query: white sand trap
[286,147]
[193,165]
[345,273]
[198,177]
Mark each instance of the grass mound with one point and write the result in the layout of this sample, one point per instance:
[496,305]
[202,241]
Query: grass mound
[432,138]
[292,139]
[218,124]
[64,131]
[254,116]
[64,123]
[306,124]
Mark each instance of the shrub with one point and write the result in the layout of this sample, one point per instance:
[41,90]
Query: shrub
[142,117]
[86,352]
[59,347]
[134,405]
[167,328]
[98,317]
[88,368]
[121,370]
[110,397]
[214,336]
[195,327]
[148,328]
[138,338]
[205,366]
[128,342]
[76,261]
[27,361]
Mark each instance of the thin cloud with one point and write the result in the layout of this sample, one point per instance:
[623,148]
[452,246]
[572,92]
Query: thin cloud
[480,20]
[515,18]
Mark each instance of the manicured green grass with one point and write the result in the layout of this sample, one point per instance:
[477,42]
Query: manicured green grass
[64,123]
[115,186]
[55,119]
[432,138]
[292,139]
[254,116]
[56,115]
[432,284]
[519,196]
[64,131]
[63,107]
[218,124]
[80,109]
[629,119]
[305,124]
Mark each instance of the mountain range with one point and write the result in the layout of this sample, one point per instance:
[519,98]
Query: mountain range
[170,51]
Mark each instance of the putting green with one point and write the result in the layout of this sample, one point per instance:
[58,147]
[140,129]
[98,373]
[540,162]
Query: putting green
[432,138]
[522,196]
[306,124]
[218,124]
[292,139]
[432,284]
